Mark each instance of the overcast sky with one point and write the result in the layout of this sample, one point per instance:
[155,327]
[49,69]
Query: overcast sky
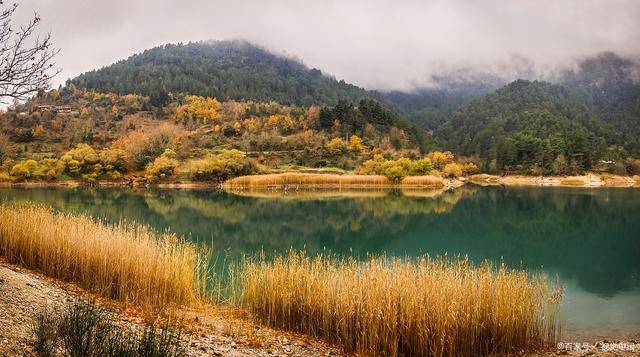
[378,44]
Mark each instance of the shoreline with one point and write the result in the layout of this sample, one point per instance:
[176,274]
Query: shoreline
[589,180]
[579,181]
[207,330]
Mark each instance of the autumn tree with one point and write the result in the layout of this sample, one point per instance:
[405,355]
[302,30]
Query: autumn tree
[355,143]
[440,159]
[26,59]
[197,110]
[335,146]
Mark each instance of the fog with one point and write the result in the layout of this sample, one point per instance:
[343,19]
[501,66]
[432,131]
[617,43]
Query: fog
[377,44]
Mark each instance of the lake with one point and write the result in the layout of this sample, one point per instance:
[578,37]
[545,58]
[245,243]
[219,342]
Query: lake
[588,238]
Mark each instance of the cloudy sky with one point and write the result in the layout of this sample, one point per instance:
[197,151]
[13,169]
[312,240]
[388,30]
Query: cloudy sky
[381,44]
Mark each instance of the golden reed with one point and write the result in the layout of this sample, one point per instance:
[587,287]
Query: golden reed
[330,180]
[392,307]
[125,262]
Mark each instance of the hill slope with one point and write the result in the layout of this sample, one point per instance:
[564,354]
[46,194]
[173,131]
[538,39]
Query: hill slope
[612,84]
[430,107]
[529,123]
[220,69]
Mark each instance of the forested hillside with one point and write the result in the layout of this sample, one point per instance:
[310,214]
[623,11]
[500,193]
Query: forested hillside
[612,84]
[430,107]
[220,69]
[180,109]
[530,126]
[609,87]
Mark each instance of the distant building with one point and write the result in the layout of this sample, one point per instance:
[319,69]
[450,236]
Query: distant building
[55,108]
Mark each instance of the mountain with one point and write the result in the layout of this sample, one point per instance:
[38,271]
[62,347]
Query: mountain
[529,123]
[430,107]
[612,84]
[220,69]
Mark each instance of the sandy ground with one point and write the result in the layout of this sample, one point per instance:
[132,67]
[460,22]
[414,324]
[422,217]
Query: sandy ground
[208,332]
[589,180]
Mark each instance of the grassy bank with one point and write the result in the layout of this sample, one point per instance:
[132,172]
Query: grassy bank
[124,262]
[330,181]
[392,307]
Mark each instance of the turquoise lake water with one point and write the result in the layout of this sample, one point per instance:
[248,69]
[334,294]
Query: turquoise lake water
[588,238]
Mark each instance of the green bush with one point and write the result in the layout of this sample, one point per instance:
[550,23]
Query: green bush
[421,167]
[80,160]
[336,147]
[372,166]
[84,162]
[162,167]
[394,172]
[228,164]
[25,169]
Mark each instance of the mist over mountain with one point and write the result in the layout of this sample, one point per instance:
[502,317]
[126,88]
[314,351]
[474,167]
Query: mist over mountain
[611,82]
[220,69]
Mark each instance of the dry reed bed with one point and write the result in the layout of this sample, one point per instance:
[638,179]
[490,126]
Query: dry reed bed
[387,306]
[125,262]
[330,180]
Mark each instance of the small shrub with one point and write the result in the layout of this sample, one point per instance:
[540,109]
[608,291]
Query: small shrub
[372,166]
[228,164]
[336,147]
[421,167]
[83,329]
[393,171]
[452,170]
[619,168]
[50,168]
[141,148]
[162,167]
[470,168]
[162,341]
[45,332]
[440,159]
[24,169]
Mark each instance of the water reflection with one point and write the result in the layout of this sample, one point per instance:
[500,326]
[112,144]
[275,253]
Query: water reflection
[589,238]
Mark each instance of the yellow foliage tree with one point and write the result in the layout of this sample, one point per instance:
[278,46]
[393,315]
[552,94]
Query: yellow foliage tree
[355,143]
[197,110]
[452,170]
[335,146]
[440,159]
[284,123]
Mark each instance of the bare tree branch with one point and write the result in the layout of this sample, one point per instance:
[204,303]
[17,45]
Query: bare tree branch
[26,63]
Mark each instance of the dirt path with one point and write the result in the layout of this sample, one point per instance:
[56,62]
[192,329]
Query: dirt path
[209,332]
